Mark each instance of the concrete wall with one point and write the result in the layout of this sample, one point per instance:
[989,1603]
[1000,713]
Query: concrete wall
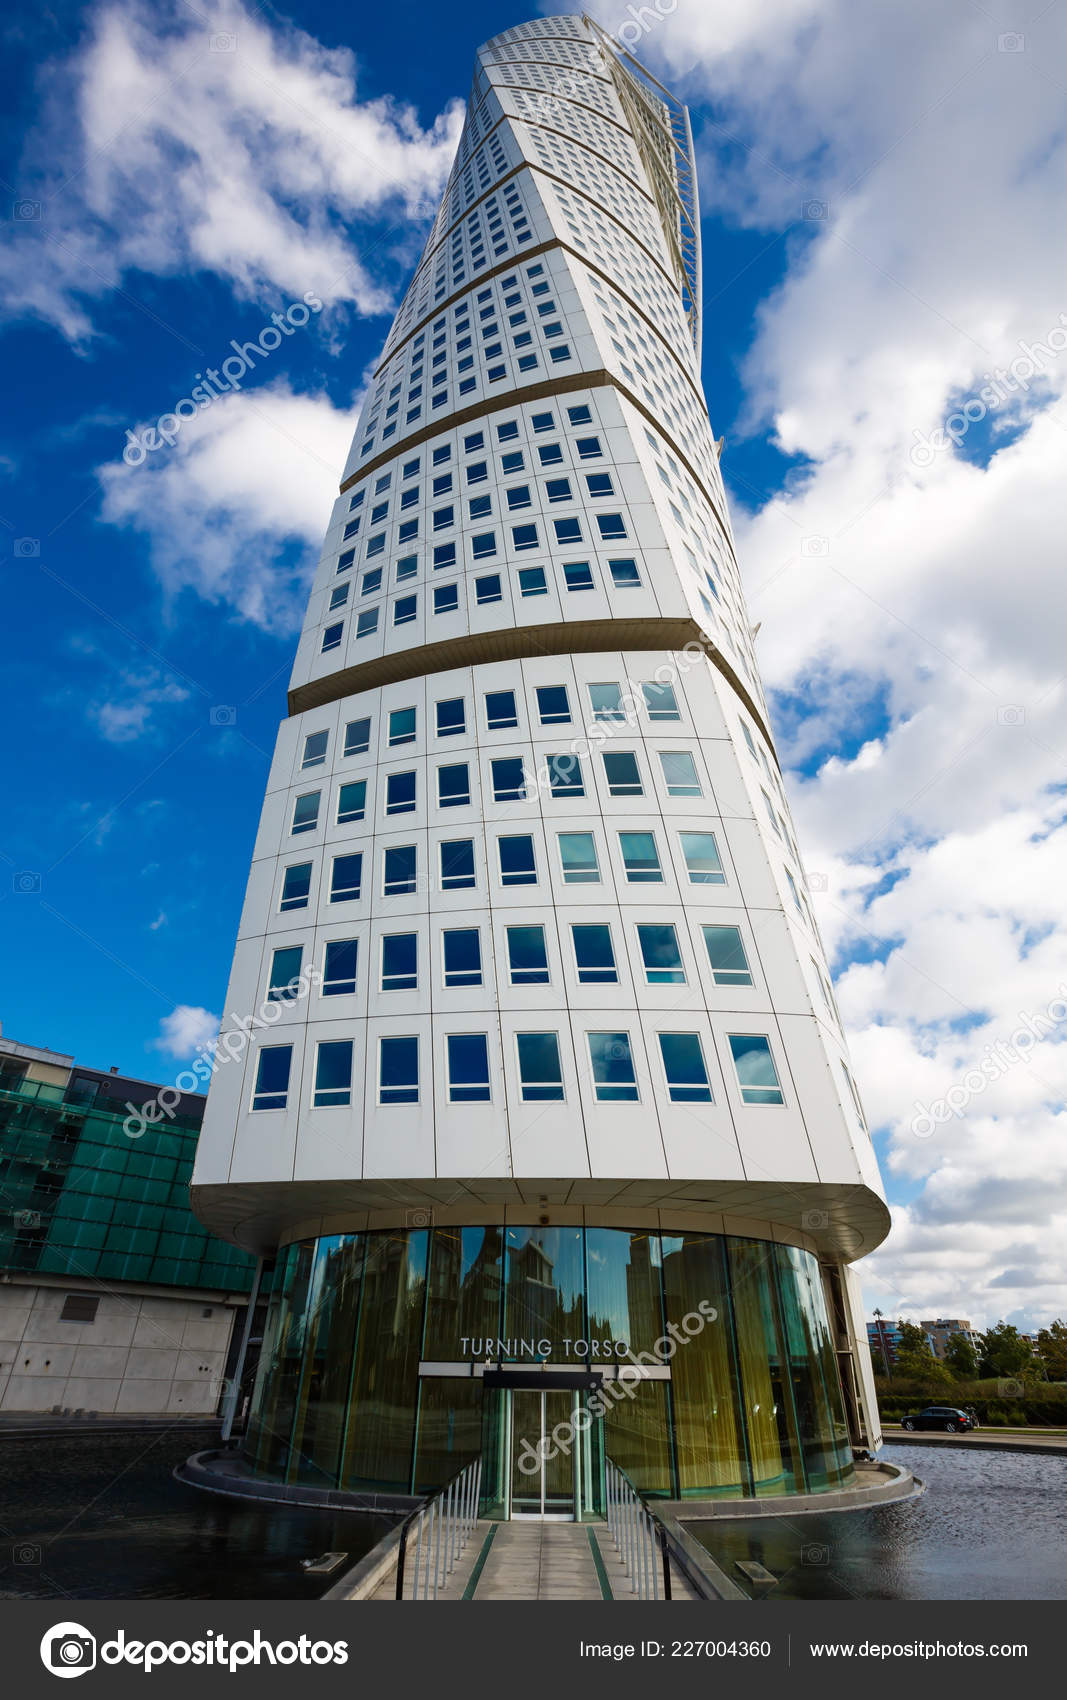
[143,1353]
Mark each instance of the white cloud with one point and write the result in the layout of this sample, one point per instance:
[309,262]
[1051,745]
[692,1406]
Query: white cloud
[236,510]
[126,714]
[926,636]
[161,153]
[186,1030]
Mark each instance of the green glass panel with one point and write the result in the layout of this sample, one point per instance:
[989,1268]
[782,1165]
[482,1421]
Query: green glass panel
[813,1369]
[625,1287]
[381,1426]
[319,1430]
[767,1392]
[449,1431]
[545,1297]
[637,1433]
[709,1435]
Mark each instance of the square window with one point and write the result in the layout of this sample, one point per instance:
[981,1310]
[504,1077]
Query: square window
[508,432]
[306,812]
[550,454]
[524,537]
[532,581]
[540,1072]
[577,853]
[357,737]
[406,567]
[624,574]
[660,954]
[599,484]
[685,1069]
[605,700]
[754,1065]
[577,575]
[474,442]
[272,1077]
[509,779]
[500,710]
[399,870]
[444,555]
[315,749]
[622,773]
[517,863]
[527,956]
[400,794]
[398,1070]
[400,955]
[462,950]
[405,609]
[565,775]
[558,489]
[576,415]
[480,507]
[442,455]
[457,865]
[468,1068]
[346,878]
[660,701]
[483,545]
[611,527]
[402,724]
[477,472]
[527,362]
[339,968]
[488,589]
[514,462]
[284,983]
[640,858]
[614,1081]
[702,858]
[296,885]
[518,496]
[333,1074]
[594,954]
[345,561]
[446,598]
[561,351]
[680,773]
[371,582]
[367,623]
[553,705]
[352,801]
[443,518]
[453,786]
[726,954]
[543,422]
[450,716]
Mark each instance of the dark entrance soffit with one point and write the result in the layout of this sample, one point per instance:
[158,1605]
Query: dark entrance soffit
[540,1380]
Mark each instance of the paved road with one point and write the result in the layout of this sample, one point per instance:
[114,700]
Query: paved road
[986,1439]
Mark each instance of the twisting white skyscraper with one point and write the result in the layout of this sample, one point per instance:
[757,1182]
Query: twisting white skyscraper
[560,1133]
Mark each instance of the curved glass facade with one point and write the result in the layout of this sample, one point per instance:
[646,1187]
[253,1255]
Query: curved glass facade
[370,1375]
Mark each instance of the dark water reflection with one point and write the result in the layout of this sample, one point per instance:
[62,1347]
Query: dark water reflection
[991,1526]
[100,1517]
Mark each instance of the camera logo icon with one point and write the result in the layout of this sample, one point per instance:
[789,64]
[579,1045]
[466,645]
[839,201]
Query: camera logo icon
[418,1218]
[26,212]
[816,209]
[26,883]
[814,1553]
[1011,42]
[1011,714]
[27,1552]
[818,882]
[68,1649]
[815,546]
[27,1219]
[26,548]
[815,1220]
[224,42]
[1010,1387]
[223,714]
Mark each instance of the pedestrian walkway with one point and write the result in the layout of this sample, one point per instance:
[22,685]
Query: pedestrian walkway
[539,1561]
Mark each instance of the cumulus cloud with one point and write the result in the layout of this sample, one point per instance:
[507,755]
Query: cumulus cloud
[914,662]
[186,1030]
[126,714]
[176,144]
[236,509]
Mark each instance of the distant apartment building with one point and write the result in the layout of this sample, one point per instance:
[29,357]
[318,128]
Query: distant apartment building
[940,1331]
[113,1297]
[884,1340]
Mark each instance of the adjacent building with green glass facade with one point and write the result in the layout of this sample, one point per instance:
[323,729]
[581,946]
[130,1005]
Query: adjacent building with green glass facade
[113,1296]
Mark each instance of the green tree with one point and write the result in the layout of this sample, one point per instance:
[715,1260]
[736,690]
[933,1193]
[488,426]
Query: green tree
[923,1367]
[912,1339]
[961,1357]
[1052,1346]
[1004,1351]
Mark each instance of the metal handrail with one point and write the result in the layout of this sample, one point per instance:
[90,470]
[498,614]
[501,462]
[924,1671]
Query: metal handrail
[437,1532]
[640,1539]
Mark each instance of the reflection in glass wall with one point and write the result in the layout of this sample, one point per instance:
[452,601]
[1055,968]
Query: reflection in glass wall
[465,1287]
[625,1279]
[545,1298]
[753,1405]
[381,1425]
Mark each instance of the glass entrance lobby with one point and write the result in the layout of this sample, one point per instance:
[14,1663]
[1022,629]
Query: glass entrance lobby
[703,1365]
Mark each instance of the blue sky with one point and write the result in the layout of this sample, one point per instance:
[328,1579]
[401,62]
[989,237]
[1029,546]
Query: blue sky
[197,172]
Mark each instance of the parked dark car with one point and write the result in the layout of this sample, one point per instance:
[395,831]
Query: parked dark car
[950,1418]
